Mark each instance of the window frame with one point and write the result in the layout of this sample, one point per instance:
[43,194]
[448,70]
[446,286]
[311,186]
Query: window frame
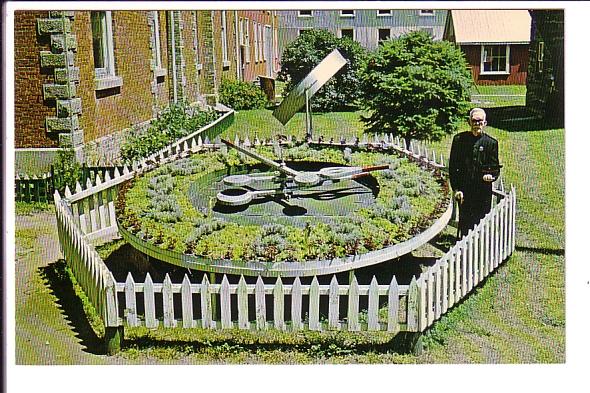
[389,13]
[159,70]
[347,28]
[422,13]
[105,77]
[255,28]
[506,64]
[108,56]
[379,41]
[224,45]
[299,15]
[342,15]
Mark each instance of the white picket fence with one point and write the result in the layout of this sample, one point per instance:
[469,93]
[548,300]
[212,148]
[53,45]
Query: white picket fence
[87,217]
[411,307]
[262,306]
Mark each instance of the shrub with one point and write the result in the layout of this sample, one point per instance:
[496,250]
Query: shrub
[415,87]
[303,54]
[172,123]
[66,170]
[241,95]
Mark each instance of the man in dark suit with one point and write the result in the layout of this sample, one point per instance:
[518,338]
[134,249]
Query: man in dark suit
[473,166]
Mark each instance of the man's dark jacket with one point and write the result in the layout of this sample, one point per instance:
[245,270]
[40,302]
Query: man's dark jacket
[471,158]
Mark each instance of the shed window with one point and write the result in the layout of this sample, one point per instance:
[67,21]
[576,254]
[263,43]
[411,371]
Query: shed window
[305,13]
[347,13]
[495,59]
[383,12]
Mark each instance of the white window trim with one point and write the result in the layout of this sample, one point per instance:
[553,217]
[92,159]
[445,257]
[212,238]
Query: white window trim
[383,28]
[348,15]
[426,13]
[159,71]
[255,26]
[303,29]
[265,51]
[224,49]
[199,64]
[261,42]
[304,16]
[388,14]
[105,78]
[247,39]
[507,66]
[347,28]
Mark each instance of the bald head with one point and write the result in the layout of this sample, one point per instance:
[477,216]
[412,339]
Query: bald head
[477,121]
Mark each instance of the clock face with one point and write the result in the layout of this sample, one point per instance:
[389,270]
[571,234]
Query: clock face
[289,204]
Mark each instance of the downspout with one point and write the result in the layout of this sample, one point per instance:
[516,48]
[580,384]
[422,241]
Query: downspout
[237,44]
[175,98]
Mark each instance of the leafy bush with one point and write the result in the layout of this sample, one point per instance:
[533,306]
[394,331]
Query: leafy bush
[66,170]
[415,87]
[241,95]
[303,54]
[172,123]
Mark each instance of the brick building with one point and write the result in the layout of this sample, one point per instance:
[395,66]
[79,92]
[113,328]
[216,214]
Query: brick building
[84,78]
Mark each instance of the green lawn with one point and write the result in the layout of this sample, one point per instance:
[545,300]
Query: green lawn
[260,123]
[498,95]
[516,316]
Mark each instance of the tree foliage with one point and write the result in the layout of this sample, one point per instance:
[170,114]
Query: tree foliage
[307,51]
[415,87]
[241,95]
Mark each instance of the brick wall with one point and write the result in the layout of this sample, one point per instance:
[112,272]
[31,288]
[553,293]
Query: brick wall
[30,108]
[108,111]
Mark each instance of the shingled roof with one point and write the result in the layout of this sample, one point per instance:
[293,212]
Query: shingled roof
[490,26]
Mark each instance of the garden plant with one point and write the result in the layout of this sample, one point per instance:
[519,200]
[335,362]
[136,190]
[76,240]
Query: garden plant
[415,88]
[160,207]
[307,51]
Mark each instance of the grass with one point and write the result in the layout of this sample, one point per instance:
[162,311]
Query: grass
[260,123]
[517,315]
[493,96]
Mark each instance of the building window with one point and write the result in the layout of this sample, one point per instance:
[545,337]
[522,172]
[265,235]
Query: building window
[159,71]
[102,44]
[383,12]
[303,31]
[196,43]
[224,39]
[305,13]
[247,39]
[347,33]
[495,59]
[347,13]
[426,12]
[264,44]
[384,34]
[255,27]
[261,41]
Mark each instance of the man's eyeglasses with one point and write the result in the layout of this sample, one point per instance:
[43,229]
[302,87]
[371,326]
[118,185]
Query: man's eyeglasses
[478,121]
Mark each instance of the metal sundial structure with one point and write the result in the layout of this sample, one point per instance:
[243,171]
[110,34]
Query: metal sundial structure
[290,179]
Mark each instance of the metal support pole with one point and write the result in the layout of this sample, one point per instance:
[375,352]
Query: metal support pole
[308,124]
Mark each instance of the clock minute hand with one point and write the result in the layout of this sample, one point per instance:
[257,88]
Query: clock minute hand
[282,168]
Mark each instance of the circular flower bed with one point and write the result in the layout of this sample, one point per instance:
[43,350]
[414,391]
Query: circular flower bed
[173,207]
